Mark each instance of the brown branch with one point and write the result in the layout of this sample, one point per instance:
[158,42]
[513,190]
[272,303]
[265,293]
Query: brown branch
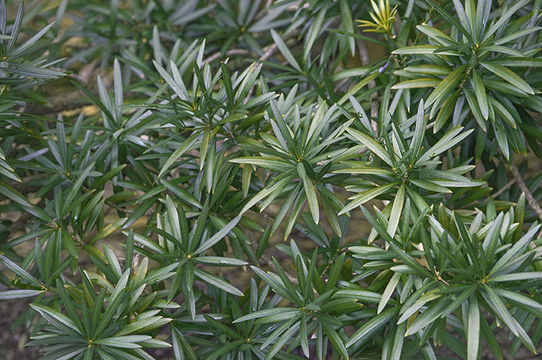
[231,52]
[295,7]
[530,198]
[268,51]
[504,188]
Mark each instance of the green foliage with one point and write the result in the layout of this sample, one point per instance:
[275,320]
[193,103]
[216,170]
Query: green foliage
[483,60]
[149,212]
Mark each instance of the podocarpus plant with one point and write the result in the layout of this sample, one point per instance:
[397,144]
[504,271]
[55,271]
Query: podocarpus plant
[261,180]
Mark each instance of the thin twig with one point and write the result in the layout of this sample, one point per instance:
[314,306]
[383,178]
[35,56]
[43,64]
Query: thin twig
[504,188]
[530,198]
[295,7]
[135,262]
[231,52]
[87,73]
[330,263]
[268,51]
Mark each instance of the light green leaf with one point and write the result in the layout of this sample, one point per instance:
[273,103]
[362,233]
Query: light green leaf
[287,336]
[185,146]
[265,162]
[55,318]
[19,271]
[371,144]
[431,186]
[502,312]
[509,76]
[215,281]
[448,141]
[423,320]
[396,210]
[16,294]
[417,50]
[124,342]
[388,291]
[335,339]
[480,92]
[365,196]
[372,326]
[346,17]
[284,50]
[108,230]
[220,261]
[447,85]
[417,83]
[268,313]
[309,192]
[521,276]
[278,186]
[528,303]
[145,323]
[218,236]
[473,330]
[314,31]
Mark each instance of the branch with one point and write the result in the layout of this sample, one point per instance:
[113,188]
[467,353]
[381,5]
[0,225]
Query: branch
[269,50]
[530,198]
[504,188]
[231,52]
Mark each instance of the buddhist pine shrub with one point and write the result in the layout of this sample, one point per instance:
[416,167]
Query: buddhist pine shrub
[265,180]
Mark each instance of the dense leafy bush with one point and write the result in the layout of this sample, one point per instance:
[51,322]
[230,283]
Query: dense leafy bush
[155,154]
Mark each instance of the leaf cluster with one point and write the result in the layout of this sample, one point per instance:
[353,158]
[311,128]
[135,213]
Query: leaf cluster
[245,182]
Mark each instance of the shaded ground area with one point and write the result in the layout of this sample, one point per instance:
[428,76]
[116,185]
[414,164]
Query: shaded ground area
[12,340]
